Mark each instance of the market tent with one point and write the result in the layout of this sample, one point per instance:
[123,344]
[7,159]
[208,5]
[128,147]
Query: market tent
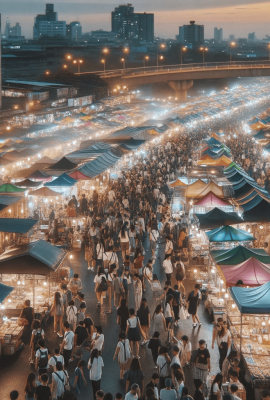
[39,176]
[211,187]
[63,180]
[232,166]
[45,160]
[213,142]
[242,187]
[220,162]
[216,218]
[17,225]
[78,176]
[6,201]
[38,257]
[238,255]
[228,234]
[44,192]
[211,200]
[177,183]
[256,210]
[252,272]
[4,291]
[195,188]
[252,300]
[10,188]
[27,183]
[62,165]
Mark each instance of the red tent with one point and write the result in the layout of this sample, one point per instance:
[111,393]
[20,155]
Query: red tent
[78,175]
[211,200]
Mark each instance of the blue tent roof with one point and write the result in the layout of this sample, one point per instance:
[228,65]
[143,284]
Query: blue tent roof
[4,291]
[16,225]
[239,254]
[214,141]
[252,300]
[228,234]
[63,180]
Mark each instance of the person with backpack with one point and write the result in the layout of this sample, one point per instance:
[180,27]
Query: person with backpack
[55,358]
[67,344]
[59,381]
[134,332]
[71,314]
[101,286]
[123,352]
[57,311]
[163,364]
[37,333]
[42,358]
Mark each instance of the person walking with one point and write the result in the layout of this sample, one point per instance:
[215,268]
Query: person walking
[168,267]
[71,314]
[193,302]
[42,358]
[168,393]
[163,363]
[144,316]
[30,387]
[122,315]
[37,333]
[134,332]
[79,379]
[67,344]
[123,352]
[59,380]
[154,345]
[124,241]
[180,276]
[135,375]
[57,311]
[159,322]
[169,316]
[137,284]
[95,365]
[223,339]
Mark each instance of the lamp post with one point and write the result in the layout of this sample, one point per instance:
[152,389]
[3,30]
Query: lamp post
[232,45]
[146,58]
[78,62]
[203,49]
[182,49]
[124,63]
[103,61]
[162,46]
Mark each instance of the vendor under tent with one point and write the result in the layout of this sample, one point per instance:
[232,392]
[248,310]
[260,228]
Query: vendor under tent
[238,255]
[4,291]
[252,301]
[216,218]
[17,225]
[44,192]
[39,176]
[252,272]
[177,183]
[9,188]
[62,165]
[27,183]
[228,234]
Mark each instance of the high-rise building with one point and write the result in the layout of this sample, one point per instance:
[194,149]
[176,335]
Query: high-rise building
[48,25]
[12,31]
[218,34]
[74,31]
[231,38]
[251,37]
[128,25]
[191,34]
[7,28]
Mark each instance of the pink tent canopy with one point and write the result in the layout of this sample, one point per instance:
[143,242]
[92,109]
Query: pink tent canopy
[252,272]
[78,175]
[211,200]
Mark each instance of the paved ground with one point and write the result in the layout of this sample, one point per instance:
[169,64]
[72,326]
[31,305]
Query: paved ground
[15,369]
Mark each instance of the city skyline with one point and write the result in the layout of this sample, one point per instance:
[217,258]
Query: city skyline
[238,17]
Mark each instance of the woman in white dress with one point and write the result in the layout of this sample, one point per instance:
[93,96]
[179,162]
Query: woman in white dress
[159,322]
[124,353]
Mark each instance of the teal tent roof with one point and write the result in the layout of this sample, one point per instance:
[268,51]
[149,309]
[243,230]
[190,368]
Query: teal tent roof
[4,291]
[252,300]
[228,234]
[63,180]
[217,218]
[238,255]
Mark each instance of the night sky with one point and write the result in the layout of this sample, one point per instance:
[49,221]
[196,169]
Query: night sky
[237,17]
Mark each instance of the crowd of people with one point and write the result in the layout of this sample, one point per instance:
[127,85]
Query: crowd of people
[131,220]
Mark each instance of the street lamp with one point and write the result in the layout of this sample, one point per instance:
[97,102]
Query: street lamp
[65,66]
[182,49]
[103,61]
[47,72]
[162,46]
[69,57]
[203,49]
[232,45]
[123,60]
[78,62]
[146,58]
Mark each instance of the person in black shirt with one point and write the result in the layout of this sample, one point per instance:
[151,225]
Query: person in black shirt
[80,337]
[198,395]
[153,383]
[144,316]
[154,345]
[122,315]
[43,391]
[89,325]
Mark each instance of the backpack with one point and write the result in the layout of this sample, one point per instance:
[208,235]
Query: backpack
[43,361]
[103,286]
[38,336]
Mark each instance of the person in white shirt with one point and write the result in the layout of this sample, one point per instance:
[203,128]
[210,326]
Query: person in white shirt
[100,278]
[67,344]
[59,380]
[234,389]
[95,364]
[71,314]
[168,245]
[216,386]
[99,251]
[111,196]
[56,357]
[125,202]
[178,383]
[124,241]
[98,339]
[223,339]
[184,346]
[168,267]
[134,393]
[154,235]
[169,315]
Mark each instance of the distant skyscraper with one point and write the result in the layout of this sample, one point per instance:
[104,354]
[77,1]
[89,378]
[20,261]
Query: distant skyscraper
[231,37]
[74,31]
[251,37]
[218,34]
[191,34]
[48,25]
[128,25]
[7,28]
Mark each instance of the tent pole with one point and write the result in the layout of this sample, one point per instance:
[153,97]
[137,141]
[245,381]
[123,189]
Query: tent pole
[241,334]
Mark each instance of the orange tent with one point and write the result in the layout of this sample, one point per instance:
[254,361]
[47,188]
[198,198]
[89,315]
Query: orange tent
[219,162]
[177,183]
[195,188]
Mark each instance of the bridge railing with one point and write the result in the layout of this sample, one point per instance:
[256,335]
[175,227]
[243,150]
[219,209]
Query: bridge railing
[179,67]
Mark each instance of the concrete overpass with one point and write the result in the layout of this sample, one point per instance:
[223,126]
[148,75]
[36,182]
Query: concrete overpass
[181,77]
